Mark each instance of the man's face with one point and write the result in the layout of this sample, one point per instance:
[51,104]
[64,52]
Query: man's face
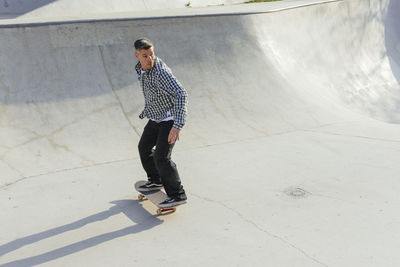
[146,58]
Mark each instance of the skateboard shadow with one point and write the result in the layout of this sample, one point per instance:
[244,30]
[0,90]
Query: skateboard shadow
[131,208]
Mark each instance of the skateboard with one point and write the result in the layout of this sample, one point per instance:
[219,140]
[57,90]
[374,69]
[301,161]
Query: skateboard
[155,196]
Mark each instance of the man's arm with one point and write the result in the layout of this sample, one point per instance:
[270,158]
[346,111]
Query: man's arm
[169,83]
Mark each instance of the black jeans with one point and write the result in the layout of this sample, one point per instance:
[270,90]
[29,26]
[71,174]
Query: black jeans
[157,162]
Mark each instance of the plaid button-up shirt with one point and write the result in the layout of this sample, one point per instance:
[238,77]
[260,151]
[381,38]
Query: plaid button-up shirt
[163,94]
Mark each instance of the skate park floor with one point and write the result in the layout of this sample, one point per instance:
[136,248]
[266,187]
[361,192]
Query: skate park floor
[289,156]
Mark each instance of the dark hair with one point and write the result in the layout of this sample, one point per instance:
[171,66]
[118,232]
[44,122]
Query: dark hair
[143,43]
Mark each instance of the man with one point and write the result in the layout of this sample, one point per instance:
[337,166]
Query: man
[165,107]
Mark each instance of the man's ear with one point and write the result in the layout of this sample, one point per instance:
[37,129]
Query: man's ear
[136,54]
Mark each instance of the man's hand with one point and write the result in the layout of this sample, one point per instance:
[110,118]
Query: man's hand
[173,135]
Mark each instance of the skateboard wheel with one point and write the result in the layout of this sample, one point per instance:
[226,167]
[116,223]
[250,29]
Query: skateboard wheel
[141,197]
[160,211]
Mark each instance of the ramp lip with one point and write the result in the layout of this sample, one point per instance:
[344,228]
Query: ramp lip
[234,10]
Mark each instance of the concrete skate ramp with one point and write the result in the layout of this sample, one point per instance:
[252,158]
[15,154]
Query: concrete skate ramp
[289,156]
[73,8]
[70,97]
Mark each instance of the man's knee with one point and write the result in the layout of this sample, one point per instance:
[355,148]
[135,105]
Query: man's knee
[161,161]
[145,150]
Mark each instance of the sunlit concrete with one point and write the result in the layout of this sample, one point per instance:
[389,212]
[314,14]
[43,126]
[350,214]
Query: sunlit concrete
[289,157]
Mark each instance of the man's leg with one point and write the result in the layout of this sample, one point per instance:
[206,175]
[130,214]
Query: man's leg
[165,166]
[147,141]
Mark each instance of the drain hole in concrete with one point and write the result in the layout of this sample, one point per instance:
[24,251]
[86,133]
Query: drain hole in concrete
[297,192]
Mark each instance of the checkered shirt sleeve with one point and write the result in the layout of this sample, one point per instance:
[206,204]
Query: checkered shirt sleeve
[170,84]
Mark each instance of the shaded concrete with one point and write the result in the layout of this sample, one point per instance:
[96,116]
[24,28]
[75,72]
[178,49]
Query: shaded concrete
[59,8]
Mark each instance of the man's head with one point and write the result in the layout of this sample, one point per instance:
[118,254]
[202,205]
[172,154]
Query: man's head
[144,52]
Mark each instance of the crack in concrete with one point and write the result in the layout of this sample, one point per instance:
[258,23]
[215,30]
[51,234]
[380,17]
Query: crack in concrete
[60,129]
[65,170]
[245,123]
[124,160]
[254,138]
[124,112]
[241,216]
[49,137]
[98,110]
[2,159]
[38,136]
[30,140]
[67,149]
[354,136]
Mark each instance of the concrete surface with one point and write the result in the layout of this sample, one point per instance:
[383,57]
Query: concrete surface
[66,16]
[39,9]
[289,157]
[54,8]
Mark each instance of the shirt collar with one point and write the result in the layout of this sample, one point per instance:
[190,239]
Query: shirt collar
[138,66]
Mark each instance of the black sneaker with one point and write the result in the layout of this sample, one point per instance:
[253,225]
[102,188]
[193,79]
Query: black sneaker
[150,186]
[171,202]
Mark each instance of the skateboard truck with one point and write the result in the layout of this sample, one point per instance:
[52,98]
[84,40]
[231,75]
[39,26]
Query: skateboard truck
[160,211]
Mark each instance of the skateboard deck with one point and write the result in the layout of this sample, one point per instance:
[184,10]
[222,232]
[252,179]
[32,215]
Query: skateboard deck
[155,196]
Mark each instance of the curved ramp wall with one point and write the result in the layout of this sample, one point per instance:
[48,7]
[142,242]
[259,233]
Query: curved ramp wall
[54,8]
[70,98]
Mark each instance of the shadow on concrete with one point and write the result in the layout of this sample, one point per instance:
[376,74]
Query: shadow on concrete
[10,9]
[140,217]
[50,64]
[392,36]
[392,39]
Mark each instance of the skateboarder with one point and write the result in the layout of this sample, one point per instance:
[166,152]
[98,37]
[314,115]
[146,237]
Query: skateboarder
[165,107]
